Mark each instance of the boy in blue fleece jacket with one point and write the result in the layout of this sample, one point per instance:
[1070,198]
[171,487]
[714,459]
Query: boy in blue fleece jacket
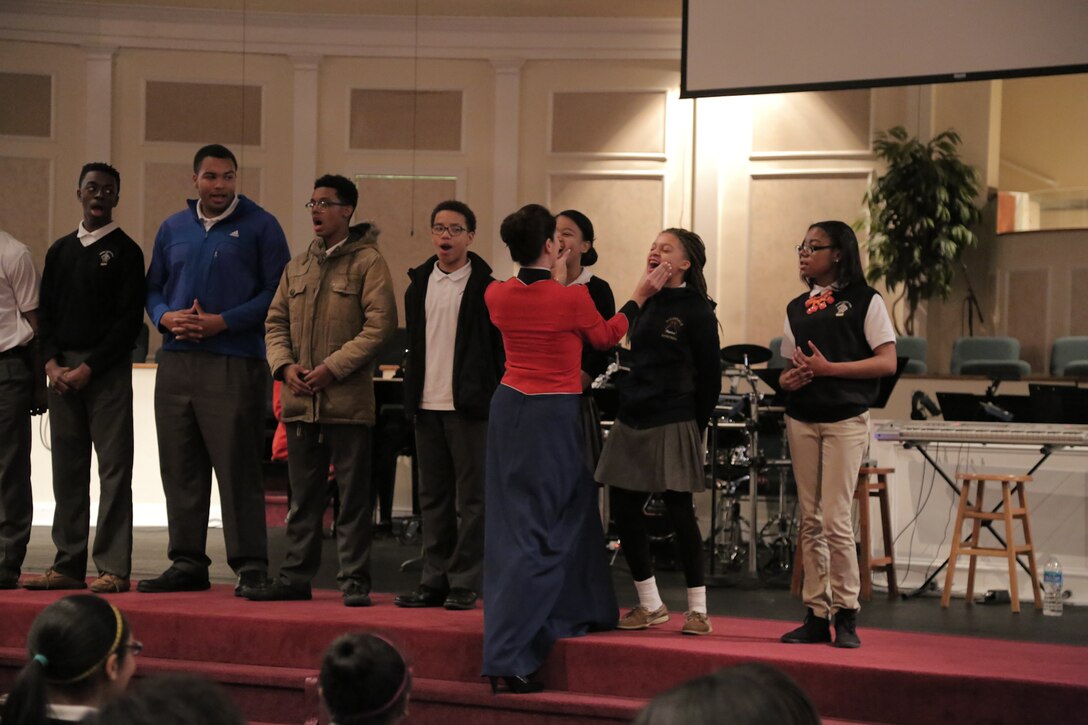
[214,269]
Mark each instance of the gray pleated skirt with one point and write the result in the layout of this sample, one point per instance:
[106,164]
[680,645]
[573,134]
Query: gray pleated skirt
[666,457]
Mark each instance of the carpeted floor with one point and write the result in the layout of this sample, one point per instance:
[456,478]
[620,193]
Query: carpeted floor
[923,614]
[264,652]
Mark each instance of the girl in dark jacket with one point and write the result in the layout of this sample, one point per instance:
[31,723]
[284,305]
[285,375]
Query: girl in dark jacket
[656,443]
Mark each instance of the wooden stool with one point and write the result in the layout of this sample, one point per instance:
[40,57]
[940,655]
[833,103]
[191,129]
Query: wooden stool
[978,514]
[866,488]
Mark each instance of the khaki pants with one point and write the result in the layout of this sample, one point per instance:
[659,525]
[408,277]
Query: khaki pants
[826,458]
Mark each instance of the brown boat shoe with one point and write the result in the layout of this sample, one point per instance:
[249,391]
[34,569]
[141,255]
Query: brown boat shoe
[53,579]
[107,583]
[696,623]
[642,618]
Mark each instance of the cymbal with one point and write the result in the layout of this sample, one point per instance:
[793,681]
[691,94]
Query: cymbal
[756,354]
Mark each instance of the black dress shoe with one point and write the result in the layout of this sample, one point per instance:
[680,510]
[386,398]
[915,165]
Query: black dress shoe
[424,596]
[249,581]
[460,599]
[278,591]
[356,594]
[175,580]
[515,685]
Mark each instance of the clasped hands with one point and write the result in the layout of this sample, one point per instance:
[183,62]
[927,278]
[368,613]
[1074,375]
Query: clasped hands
[307,382]
[805,368]
[64,379]
[193,324]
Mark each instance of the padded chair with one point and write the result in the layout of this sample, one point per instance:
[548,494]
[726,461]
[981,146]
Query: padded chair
[992,357]
[776,361]
[915,349]
[1069,357]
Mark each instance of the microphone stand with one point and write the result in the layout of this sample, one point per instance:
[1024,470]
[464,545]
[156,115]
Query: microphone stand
[971,305]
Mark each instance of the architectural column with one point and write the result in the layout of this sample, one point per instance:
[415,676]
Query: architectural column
[506,150]
[99,109]
[304,147]
[721,181]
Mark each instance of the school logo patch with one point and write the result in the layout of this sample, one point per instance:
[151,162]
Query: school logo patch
[673,325]
[842,308]
[104,257]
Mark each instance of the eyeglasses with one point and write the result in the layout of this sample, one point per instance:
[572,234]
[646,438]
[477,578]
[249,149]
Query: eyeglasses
[455,230]
[324,204]
[805,251]
[135,647]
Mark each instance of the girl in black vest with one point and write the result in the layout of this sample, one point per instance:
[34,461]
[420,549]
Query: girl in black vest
[838,341]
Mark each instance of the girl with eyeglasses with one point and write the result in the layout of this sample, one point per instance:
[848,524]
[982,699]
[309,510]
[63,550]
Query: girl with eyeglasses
[81,654]
[838,340]
[655,445]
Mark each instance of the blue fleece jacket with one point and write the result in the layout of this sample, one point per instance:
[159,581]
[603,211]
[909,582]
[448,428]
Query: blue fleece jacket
[233,269]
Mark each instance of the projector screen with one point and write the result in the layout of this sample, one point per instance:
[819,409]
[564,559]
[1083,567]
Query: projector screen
[736,47]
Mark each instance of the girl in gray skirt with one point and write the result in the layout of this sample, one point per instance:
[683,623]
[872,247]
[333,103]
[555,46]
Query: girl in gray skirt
[656,445]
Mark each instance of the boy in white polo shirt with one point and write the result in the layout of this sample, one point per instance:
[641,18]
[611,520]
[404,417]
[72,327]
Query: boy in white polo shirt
[454,363]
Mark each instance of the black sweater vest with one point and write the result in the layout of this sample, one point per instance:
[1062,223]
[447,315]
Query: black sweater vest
[838,331]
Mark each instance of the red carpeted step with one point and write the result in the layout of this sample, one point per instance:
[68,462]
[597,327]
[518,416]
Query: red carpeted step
[443,701]
[894,677]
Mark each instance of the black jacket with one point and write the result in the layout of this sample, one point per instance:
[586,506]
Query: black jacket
[478,360]
[676,370]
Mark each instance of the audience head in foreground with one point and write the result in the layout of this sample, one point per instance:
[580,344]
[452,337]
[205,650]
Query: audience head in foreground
[749,694]
[80,655]
[172,700]
[365,680]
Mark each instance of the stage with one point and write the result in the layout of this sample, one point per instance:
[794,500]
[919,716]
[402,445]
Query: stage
[972,664]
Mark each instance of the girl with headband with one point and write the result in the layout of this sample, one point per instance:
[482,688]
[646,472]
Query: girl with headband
[81,654]
[365,681]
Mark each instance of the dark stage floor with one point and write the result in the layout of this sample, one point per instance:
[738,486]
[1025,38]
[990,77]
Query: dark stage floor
[923,614]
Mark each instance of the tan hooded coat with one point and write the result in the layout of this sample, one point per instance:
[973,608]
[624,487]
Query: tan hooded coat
[339,311]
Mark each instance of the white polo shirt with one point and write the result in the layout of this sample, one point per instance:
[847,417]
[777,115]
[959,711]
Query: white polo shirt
[443,305]
[19,285]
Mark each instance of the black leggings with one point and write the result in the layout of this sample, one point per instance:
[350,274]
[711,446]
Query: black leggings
[631,525]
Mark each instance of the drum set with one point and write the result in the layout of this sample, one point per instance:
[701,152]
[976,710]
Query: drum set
[749,453]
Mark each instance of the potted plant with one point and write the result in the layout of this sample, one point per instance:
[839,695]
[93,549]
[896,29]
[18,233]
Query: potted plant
[921,216]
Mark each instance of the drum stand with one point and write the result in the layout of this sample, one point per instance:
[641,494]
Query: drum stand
[733,550]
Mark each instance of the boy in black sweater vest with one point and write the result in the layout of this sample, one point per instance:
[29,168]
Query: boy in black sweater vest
[91,308]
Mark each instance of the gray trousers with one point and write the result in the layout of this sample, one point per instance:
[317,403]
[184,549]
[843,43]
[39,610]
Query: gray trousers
[311,447]
[209,410]
[99,415]
[16,496]
[452,451]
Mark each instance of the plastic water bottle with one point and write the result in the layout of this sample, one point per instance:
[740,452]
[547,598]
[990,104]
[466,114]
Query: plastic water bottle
[1052,588]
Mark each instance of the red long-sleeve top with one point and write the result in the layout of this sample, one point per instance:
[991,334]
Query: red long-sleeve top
[543,324]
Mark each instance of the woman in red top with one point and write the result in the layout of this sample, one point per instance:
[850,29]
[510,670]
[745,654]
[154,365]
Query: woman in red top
[545,573]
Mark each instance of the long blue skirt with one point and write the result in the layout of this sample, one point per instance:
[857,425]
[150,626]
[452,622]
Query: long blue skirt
[545,568]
